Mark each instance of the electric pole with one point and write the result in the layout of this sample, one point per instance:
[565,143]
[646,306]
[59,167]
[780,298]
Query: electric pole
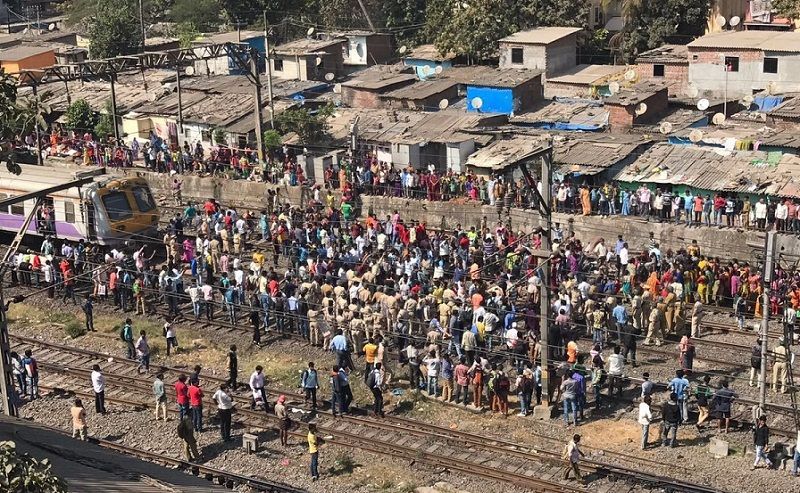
[769,263]
[546,228]
[268,64]
[257,102]
[141,23]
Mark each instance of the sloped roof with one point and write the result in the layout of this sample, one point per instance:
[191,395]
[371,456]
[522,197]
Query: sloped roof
[590,156]
[788,109]
[429,52]
[565,111]
[541,35]
[422,89]
[665,54]
[305,46]
[784,41]
[587,74]
[715,169]
[22,52]
[503,153]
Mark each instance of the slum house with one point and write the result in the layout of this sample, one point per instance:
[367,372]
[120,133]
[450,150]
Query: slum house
[366,87]
[296,90]
[443,139]
[785,115]
[19,58]
[583,81]
[639,104]
[505,91]
[505,156]
[741,62]
[669,65]
[427,61]
[548,49]
[364,49]
[709,170]
[429,95]
[585,115]
[309,59]
[592,158]
[785,140]
[227,65]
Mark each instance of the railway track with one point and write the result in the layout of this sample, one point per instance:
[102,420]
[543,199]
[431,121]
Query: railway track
[534,468]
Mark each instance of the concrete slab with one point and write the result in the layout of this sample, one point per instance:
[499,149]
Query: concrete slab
[718,448]
[89,468]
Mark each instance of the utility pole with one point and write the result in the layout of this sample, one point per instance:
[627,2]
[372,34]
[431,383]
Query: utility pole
[257,102]
[769,262]
[112,77]
[141,24]
[268,64]
[180,99]
[366,14]
[36,128]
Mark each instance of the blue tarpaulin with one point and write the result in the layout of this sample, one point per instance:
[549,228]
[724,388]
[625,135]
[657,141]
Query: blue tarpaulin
[766,103]
[581,127]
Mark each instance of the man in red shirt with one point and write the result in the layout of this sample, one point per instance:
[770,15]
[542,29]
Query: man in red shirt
[69,286]
[196,406]
[182,393]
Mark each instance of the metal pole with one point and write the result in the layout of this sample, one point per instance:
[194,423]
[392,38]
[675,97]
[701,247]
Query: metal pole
[725,102]
[66,88]
[268,64]
[36,130]
[180,99]
[546,225]
[141,24]
[114,108]
[257,103]
[769,261]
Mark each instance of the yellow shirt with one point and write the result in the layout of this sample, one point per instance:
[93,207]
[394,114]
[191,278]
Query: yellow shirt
[312,443]
[370,350]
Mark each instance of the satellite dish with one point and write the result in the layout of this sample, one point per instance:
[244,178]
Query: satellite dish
[310,31]
[748,100]
[25,31]
[665,128]
[318,61]
[630,75]
[443,104]
[427,70]
[438,69]
[772,87]
[718,119]
[641,109]
[721,21]
[189,70]
[152,96]
[735,20]
[337,88]
[693,91]
[703,104]
[613,87]
[51,27]
[330,76]
[695,136]
[477,103]
[403,49]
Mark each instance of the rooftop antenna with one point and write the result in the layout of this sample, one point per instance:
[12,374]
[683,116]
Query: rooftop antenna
[443,104]
[703,104]
[693,91]
[718,119]
[477,103]
[735,20]
[695,136]
[721,21]
[613,87]
[403,49]
[330,76]
[665,128]
[310,32]
[641,109]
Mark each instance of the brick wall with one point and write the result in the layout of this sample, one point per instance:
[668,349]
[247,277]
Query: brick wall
[676,76]
[562,89]
[620,116]
[361,98]
[529,93]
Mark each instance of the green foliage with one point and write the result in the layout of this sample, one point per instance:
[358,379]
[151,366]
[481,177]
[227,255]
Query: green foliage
[651,24]
[18,116]
[187,32]
[220,136]
[787,8]
[105,125]
[79,116]
[22,473]
[113,29]
[75,329]
[572,13]
[272,139]
[310,127]
[403,13]
[202,14]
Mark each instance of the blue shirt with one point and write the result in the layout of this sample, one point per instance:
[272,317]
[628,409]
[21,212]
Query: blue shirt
[679,386]
[580,383]
[620,315]
[447,370]
[339,343]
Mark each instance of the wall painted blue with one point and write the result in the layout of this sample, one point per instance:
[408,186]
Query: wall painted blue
[495,99]
[258,44]
[419,63]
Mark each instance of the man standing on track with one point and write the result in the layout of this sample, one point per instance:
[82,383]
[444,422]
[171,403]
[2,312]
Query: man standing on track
[127,338]
[99,387]
[186,433]
[572,454]
[375,384]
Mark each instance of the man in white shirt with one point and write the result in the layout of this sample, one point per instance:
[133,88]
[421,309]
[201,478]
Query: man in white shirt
[616,366]
[224,410]
[257,387]
[99,387]
[645,418]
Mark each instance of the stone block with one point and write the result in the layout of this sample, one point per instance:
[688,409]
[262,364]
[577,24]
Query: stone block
[542,412]
[250,443]
[718,448]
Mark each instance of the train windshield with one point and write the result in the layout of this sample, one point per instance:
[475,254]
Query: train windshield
[117,206]
[144,199]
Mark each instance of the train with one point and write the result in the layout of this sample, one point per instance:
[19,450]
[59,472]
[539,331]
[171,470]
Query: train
[111,210]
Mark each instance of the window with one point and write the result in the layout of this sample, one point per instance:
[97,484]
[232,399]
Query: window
[695,58]
[658,70]
[770,65]
[516,55]
[18,209]
[69,212]
[732,63]
[205,135]
[277,65]
[117,206]
[144,199]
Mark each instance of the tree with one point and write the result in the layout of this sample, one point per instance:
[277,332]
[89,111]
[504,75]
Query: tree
[272,139]
[651,24]
[113,29]
[404,16]
[203,14]
[18,117]
[80,117]
[187,32]
[106,122]
[787,8]
[219,135]
[310,127]
[24,473]
[570,13]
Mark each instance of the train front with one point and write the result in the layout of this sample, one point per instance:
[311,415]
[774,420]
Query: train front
[122,210]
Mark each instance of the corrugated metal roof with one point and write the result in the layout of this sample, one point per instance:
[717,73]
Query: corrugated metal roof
[305,46]
[541,35]
[713,169]
[784,41]
[503,153]
[582,112]
[590,157]
[665,54]
[787,109]
[22,52]
[785,138]
[421,90]
[587,74]
[429,52]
